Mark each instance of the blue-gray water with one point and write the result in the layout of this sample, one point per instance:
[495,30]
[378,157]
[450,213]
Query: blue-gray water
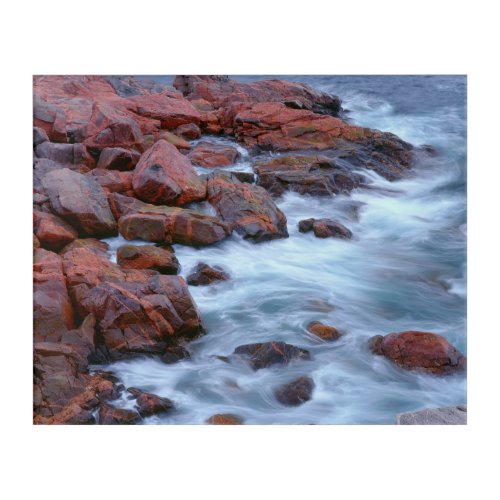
[404,270]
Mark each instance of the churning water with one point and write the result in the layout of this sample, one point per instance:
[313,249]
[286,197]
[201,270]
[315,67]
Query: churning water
[403,270]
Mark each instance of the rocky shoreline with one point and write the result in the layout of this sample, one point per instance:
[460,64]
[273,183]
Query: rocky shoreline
[112,156]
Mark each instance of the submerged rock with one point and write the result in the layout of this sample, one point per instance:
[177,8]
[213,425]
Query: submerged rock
[423,351]
[225,419]
[174,354]
[325,228]
[296,392]
[451,415]
[203,274]
[262,355]
[150,404]
[322,331]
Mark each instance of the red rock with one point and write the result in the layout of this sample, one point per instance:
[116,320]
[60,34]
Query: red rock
[150,404]
[118,159]
[53,233]
[137,311]
[322,331]
[248,208]
[423,351]
[325,228]
[203,274]
[80,201]
[210,155]
[188,131]
[91,244]
[112,180]
[53,310]
[109,415]
[225,419]
[165,176]
[315,175]
[220,91]
[147,227]
[296,392]
[36,242]
[167,224]
[266,354]
[148,257]
[65,154]
[176,141]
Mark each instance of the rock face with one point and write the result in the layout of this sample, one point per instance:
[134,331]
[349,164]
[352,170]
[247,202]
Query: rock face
[266,354]
[53,310]
[249,209]
[296,392]
[451,415]
[423,351]
[220,91]
[203,274]
[80,201]
[210,155]
[69,155]
[165,176]
[112,181]
[325,228]
[150,404]
[148,257]
[136,311]
[118,159]
[52,232]
[324,332]
[315,175]
[104,111]
[225,419]
[166,224]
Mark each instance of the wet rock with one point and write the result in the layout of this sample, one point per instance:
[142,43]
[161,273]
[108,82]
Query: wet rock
[203,274]
[220,91]
[53,310]
[148,257]
[109,415]
[65,154]
[325,228]
[249,209]
[118,159]
[39,136]
[150,404]
[244,176]
[315,175]
[52,232]
[136,311]
[324,332]
[262,355]
[167,224]
[296,392]
[225,419]
[174,354]
[188,131]
[80,201]
[451,415]
[210,155]
[422,351]
[165,176]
